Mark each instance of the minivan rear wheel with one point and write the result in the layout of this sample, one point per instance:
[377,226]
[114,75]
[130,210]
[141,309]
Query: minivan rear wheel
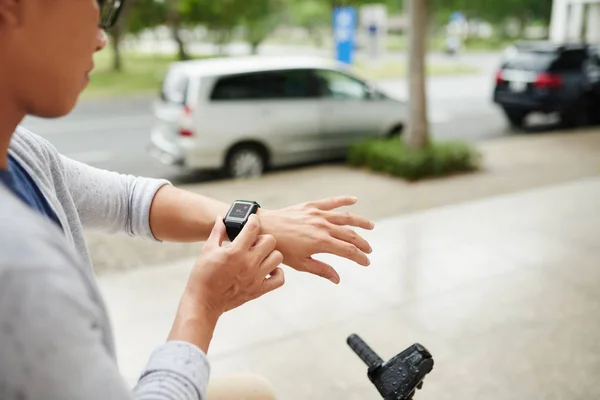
[246,161]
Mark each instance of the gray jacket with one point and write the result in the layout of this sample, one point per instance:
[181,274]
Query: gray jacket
[83,196]
[56,341]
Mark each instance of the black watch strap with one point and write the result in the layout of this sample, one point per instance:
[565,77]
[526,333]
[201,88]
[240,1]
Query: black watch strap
[233,230]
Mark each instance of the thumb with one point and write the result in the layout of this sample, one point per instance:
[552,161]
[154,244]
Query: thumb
[218,233]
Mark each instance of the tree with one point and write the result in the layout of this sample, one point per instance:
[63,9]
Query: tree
[147,14]
[498,12]
[116,36]
[117,33]
[312,15]
[136,16]
[174,21]
[219,17]
[259,18]
[417,134]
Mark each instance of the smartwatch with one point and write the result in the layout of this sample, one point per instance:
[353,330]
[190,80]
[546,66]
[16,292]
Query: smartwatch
[238,215]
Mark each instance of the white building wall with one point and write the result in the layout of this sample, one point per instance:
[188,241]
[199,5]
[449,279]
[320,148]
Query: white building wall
[575,24]
[593,23]
[558,23]
[568,17]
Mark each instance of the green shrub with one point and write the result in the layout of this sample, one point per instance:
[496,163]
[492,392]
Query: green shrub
[393,157]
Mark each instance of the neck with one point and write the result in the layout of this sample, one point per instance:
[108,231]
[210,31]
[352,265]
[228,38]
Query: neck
[10,117]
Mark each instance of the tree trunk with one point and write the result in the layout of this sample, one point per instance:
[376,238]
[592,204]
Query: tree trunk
[316,36]
[117,62]
[182,54]
[118,32]
[417,134]
[174,23]
[523,22]
[503,32]
[223,39]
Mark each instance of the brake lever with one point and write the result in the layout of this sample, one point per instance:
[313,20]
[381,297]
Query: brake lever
[401,376]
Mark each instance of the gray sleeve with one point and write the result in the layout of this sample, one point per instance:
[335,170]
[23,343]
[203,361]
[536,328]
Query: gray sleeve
[52,347]
[109,201]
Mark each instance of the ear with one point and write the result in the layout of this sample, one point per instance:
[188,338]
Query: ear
[11,12]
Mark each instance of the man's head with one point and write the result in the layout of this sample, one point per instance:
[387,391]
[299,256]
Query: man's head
[47,49]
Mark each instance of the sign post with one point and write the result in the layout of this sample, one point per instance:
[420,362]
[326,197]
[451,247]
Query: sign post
[344,32]
[374,23]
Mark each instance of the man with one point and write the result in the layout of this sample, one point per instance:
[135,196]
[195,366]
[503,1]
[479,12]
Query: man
[55,336]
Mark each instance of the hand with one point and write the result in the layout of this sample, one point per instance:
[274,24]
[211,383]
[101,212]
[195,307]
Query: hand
[224,278]
[227,277]
[316,227]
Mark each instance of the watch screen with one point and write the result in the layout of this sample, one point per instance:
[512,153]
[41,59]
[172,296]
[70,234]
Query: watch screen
[240,210]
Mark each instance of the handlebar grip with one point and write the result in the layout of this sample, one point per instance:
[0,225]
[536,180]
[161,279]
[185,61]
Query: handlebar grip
[363,350]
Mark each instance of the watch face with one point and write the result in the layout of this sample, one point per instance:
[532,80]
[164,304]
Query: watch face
[240,211]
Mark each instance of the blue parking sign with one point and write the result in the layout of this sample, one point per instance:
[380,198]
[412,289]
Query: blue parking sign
[344,32]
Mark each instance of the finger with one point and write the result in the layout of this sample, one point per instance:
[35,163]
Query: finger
[348,219]
[321,269]
[345,250]
[273,260]
[217,234]
[265,244]
[349,236]
[333,202]
[276,281]
[249,233]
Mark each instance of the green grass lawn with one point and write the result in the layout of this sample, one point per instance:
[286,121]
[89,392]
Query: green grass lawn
[437,43]
[399,69]
[143,73]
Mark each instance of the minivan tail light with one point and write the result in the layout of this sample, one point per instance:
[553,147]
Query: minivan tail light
[186,133]
[499,77]
[546,80]
[187,116]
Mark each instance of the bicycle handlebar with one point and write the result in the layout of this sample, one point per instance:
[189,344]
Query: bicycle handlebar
[401,376]
[365,353]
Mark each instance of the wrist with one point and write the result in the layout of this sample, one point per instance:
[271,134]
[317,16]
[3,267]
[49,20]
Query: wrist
[267,221]
[195,323]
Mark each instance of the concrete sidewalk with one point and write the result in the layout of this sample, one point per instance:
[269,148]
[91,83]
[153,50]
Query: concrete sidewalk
[505,292]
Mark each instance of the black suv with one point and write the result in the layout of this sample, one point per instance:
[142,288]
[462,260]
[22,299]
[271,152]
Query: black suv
[543,77]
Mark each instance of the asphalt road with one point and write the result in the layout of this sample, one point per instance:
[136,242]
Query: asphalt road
[113,133]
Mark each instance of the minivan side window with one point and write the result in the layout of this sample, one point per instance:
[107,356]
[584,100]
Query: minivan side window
[338,85]
[271,85]
[569,61]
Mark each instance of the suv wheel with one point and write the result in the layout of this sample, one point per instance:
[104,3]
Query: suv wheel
[516,118]
[246,162]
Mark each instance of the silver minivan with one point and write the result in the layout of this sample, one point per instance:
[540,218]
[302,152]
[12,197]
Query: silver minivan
[246,114]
